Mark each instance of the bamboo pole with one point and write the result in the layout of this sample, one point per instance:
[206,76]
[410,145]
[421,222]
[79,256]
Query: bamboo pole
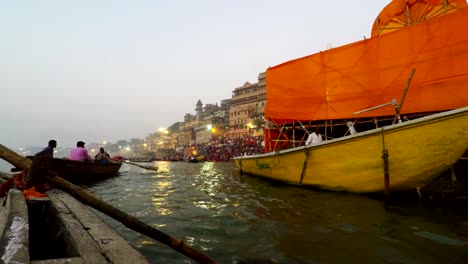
[142,166]
[14,158]
[385,166]
[98,204]
[403,96]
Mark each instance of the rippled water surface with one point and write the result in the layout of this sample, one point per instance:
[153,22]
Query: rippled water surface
[243,219]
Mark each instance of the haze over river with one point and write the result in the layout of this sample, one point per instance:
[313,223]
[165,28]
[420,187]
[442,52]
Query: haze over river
[244,219]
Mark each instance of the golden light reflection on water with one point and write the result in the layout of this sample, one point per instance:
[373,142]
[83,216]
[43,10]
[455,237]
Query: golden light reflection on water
[147,242]
[163,167]
[209,181]
[161,189]
[211,178]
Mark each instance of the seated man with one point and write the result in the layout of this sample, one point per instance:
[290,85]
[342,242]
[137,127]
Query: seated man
[102,156]
[50,148]
[314,139]
[80,153]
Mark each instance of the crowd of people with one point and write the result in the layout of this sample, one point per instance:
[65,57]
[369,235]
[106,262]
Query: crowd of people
[219,148]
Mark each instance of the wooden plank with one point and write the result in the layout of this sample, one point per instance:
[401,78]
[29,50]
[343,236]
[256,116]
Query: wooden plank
[84,243]
[111,244]
[60,261]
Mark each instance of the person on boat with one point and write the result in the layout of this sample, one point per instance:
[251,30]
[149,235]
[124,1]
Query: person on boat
[102,157]
[352,130]
[314,138]
[50,148]
[80,153]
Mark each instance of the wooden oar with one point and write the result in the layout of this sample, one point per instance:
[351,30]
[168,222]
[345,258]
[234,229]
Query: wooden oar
[142,166]
[36,167]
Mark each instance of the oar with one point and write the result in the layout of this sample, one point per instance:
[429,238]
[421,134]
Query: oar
[142,166]
[37,166]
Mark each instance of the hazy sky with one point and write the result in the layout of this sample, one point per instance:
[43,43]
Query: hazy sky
[108,70]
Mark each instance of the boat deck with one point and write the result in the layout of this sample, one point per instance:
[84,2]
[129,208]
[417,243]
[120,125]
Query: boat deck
[58,229]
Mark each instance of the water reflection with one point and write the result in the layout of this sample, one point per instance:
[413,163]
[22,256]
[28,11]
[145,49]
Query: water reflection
[239,219]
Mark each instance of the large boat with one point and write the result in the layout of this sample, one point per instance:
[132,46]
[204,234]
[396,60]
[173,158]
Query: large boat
[418,151]
[418,54]
[58,229]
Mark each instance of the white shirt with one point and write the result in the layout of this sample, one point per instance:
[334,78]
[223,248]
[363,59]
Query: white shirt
[314,139]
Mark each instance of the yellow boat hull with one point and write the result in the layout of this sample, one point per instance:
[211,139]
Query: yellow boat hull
[419,150]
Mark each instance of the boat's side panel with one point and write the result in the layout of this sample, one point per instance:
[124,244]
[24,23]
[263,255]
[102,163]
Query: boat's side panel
[345,164]
[76,170]
[417,154]
[285,167]
[14,228]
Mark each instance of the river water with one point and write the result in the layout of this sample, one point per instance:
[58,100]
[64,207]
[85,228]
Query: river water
[244,219]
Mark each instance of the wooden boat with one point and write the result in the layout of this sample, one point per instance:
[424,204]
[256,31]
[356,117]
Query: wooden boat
[418,151]
[326,92]
[80,171]
[58,229]
[196,159]
[141,159]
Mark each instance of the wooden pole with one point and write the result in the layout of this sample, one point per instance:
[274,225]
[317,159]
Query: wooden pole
[406,90]
[386,167]
[142,166]
[14,158]
[402,100]
[36,172]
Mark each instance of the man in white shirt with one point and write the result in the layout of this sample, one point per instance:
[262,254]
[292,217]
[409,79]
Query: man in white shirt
[314,139]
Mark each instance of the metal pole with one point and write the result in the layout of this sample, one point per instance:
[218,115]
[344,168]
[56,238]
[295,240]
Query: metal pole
[386,167]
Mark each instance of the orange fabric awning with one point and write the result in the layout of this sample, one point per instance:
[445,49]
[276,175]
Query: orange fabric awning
[338,82]
[402,13]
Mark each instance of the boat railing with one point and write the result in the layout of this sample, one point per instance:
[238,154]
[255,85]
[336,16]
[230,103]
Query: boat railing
[393,102]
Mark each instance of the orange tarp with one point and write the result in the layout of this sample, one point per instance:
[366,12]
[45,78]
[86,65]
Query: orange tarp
[335,83]
[402,13]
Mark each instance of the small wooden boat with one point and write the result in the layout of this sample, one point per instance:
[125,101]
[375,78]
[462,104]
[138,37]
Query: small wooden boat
[150,159]
[192,160]
[81,171]
[58,229]
[77,171]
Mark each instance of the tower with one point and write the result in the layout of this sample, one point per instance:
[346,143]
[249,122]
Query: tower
[199,110]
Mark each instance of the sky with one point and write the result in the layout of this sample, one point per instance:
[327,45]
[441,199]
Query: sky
[106,70]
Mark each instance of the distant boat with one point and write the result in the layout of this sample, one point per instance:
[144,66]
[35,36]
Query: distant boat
[195,159]
[141,159]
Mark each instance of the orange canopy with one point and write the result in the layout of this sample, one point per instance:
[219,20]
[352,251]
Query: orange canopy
[338,82]
[402,13]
